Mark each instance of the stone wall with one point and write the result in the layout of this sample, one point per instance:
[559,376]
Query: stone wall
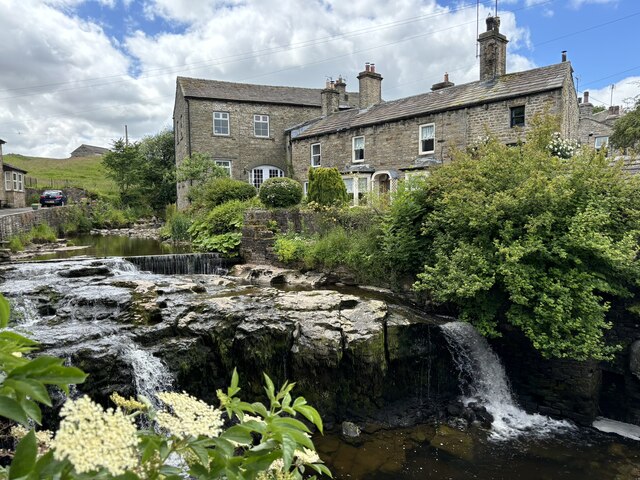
[395,145]
[17,223]
[260,228]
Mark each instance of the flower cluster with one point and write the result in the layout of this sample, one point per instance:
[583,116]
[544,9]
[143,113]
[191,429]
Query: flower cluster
[129,405]
[43,437]
[187,416]
[92,438]
[562,147]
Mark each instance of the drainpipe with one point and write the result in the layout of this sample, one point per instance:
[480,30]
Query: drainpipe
[188,127]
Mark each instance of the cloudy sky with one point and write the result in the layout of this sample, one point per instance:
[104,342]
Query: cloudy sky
[78,71]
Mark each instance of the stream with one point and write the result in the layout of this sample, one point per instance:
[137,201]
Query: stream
[135,331]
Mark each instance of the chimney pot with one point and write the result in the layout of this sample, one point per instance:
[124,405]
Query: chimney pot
[446,77]
[586,97]
[367,67]
[564,55]
[373,67]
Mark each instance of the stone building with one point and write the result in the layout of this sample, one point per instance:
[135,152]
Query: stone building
[380,142]
[258,131]
[85,150]
[12,192]
[595,128]
[241,126]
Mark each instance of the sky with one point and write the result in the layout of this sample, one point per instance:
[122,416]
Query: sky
[78,71]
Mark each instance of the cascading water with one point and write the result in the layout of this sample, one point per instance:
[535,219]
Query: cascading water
[489,385]
[181,264]
[150,373]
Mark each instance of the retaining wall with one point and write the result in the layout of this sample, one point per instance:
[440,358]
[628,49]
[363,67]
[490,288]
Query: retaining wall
[17,223]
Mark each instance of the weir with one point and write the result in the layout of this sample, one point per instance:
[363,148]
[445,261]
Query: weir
[182,264]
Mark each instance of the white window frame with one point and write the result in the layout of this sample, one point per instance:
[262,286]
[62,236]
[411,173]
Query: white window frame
[222,116]
[267,171]
[355,186]
[316,158]
[353,149]
[223,163]
[260,119]
[421,138]
[8,181]
[305,187]
[15,181]
[603,143]
[20,182]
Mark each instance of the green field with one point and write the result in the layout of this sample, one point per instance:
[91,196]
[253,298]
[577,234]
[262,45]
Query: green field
[81,172]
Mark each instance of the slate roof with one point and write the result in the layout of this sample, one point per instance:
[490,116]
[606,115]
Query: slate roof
[244,92]
[85,149]
[8,166]
[501,88]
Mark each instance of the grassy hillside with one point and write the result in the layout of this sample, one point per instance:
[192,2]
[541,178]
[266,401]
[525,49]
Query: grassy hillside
[82,172]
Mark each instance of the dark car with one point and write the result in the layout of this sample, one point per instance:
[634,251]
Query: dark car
[53,197]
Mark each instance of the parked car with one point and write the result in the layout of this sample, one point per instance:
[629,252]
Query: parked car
[50,198]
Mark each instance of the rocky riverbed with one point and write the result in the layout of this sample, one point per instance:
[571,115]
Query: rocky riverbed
[352,355]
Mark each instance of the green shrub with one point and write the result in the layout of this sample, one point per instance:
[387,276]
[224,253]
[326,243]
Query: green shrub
[42,233]
[107,215]
[78,221]
[291,248]
[220,229]
[217,191]
[326,187]
[177,225]
[15,244]
[280,192]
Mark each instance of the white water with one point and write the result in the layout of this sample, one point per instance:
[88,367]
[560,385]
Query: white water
[151,374]
[489,386]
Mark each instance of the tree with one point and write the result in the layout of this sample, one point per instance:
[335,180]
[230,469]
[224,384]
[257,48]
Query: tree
[326,186]
[518,235]
[144,171]
[199,167]
[626,130]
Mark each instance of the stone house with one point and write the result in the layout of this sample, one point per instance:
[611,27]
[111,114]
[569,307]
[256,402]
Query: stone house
[12,192]
[262,131]
[241,126]
[85,150]
[379,143]
[595,128]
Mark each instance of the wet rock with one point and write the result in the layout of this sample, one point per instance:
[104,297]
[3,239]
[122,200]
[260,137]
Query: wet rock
[453,441]
[350,430]
[90,271]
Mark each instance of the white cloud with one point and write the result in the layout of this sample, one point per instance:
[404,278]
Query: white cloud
[580,3]
[66,82]
[624,91]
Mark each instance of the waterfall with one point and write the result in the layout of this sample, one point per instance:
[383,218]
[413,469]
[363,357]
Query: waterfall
[489,385]
[150,373]
[181,264]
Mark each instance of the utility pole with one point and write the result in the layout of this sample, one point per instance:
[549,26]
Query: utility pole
[126,136]
[611,100]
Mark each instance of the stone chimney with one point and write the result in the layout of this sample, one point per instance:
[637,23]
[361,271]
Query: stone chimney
[341,87]
[370,86]
[330,99]
[446,83]
[585,100]
[564,55]
[614,110]
[493,50]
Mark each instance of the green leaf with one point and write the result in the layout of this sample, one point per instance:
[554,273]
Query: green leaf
[32,410]
[310,414]
[270,388]
[25,457]
[32,388]
[321,468]
[238,433]
[289,423]
[4,311]
[288,450]
[17,338]
[12,410]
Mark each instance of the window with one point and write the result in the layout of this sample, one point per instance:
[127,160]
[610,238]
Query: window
[220,123]
[181,127]
[358,149]
[15,181]
[357,187]
[8,183]
[601,142]
[261,173]
[20,182]
[315,155]
[427,138]
[226,164]
[261,126]
[517,116]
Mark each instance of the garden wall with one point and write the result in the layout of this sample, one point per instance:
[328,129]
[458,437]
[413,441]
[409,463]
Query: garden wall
[17,223]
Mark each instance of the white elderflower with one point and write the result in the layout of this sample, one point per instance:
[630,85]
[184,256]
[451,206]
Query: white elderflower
[306,456]
[92,438]
[188,416]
